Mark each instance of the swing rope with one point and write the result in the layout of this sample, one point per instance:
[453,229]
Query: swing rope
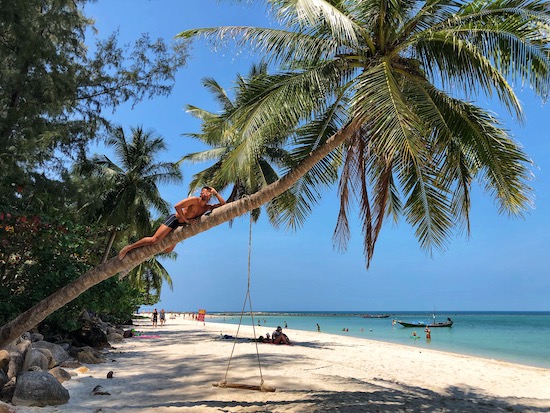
[249,299]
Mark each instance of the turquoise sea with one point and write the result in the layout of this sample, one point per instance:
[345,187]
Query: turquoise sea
[517,337]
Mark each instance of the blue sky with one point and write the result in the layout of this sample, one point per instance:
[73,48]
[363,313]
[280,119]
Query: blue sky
[504,265]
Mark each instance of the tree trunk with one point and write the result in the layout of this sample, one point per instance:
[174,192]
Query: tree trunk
[47,306]
[109,245]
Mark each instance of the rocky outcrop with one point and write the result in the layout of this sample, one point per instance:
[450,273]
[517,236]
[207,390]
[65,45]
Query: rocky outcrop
[19,357]
[32,369]
[58,353]
[38,388]
[24,376]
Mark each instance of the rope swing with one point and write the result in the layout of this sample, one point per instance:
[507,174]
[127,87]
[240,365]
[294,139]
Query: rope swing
[224,383]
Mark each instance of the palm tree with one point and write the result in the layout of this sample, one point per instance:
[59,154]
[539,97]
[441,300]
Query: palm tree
[129,190]
[148,277]
[393,67]
[150,274]
[381,73]
[246,167]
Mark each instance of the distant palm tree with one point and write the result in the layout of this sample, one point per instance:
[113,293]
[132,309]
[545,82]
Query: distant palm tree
[150,275]
[243,166]
[129,190]
[373,79]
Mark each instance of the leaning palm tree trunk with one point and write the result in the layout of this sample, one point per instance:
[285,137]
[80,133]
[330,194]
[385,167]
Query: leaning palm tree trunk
[47,306]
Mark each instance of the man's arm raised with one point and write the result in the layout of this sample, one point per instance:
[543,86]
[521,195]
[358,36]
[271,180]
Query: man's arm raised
[221,201]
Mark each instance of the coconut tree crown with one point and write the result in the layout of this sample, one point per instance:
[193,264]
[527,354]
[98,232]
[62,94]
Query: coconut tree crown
[402,74]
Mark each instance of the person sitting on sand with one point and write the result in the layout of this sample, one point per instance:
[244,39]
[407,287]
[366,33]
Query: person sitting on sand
[186,210]
[278,337]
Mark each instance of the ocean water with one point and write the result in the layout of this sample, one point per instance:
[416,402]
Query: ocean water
[517,337]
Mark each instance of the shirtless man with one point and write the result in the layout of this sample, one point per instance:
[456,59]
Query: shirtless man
[186,210]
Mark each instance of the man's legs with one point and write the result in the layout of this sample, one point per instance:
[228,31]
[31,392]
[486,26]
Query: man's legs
[281,339]
[162,232]
[170,249]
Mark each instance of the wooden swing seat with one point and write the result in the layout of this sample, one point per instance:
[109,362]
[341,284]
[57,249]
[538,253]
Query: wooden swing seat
[263,387]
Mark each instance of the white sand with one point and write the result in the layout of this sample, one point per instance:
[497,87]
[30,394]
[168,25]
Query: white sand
[319,373]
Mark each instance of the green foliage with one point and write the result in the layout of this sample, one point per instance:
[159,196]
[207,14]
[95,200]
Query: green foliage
[54,92]
[149,276]
[392,76]
[39,256]
[125,190]
[247,163]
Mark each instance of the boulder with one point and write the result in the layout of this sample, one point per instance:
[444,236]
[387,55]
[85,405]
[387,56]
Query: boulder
[58,353]
[19,358]
[6,392]
[64,345]
[60,374]
[38,388]
[6,408]
[114,337]
[4,360]
[36,337]
[48,354]
[89,356]
[38,359]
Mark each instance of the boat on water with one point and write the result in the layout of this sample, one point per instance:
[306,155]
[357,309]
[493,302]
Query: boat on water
[448,323]
[375,315]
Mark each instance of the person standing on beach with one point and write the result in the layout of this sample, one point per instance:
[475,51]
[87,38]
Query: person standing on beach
[162,317]
[318,328]
[186,210]
[155,317]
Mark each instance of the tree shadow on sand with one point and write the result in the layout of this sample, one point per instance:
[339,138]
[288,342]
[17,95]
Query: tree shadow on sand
[187,384]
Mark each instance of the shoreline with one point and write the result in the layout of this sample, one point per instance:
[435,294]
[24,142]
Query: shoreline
[173,371]
[515,354]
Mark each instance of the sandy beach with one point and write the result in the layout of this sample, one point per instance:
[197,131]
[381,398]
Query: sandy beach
[173,371]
